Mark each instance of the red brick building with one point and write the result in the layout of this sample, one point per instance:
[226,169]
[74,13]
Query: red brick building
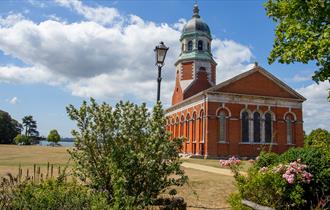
[240,116]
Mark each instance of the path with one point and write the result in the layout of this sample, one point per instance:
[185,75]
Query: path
[222,171]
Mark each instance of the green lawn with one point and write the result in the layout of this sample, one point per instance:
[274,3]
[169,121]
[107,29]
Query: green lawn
[204,191]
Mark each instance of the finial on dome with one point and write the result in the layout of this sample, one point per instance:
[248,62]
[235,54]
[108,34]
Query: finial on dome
[196,10]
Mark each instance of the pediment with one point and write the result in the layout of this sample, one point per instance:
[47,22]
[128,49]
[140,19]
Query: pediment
[258,82]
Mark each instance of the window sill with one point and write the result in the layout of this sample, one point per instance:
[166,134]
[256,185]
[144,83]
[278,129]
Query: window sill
[258,143]
[223,142]
[290,144]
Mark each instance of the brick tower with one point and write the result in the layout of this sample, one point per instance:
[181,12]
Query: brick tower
[195,67]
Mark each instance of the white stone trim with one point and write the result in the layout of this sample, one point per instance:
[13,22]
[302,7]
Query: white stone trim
[254,100]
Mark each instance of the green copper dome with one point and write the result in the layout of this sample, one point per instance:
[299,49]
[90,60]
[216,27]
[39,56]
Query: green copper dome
[196,24]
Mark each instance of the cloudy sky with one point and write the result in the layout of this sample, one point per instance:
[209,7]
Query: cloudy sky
[59,52]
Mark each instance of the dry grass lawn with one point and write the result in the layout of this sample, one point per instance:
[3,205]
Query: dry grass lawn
[215,163]
[204,191]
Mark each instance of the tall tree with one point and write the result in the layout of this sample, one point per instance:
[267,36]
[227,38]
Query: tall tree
[302,33]
[9,128]
[125,151]
[30,126]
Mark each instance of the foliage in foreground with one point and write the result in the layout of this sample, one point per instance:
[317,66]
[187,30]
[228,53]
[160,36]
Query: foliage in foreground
[297,179]
[302,33]
[9,128]
[50,194]
[125,151]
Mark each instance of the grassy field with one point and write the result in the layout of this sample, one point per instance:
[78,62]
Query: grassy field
[204,190]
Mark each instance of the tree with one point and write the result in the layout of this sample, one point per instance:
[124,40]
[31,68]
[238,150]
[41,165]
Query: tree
[302,33]
[318,138]
[30,126]
[9,128]
[22,139]
[53,136]
[126,152]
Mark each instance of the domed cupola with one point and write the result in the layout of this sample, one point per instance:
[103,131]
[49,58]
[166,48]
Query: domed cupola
[195,67]
[196,24]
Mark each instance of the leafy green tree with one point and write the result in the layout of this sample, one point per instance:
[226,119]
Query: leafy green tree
[9,128]
[126,152]
[302,33]
[53,136]
[318,138]
[22,139]
[30,126]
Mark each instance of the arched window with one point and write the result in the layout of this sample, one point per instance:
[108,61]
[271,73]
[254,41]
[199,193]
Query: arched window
[268,127]
[190,45]
[245,126]
[222,126]
[200,45]
[201,127]
[188,128]
[289,133]
[181,126]
[256,127]
[194,127]
[182,47]
[208,46]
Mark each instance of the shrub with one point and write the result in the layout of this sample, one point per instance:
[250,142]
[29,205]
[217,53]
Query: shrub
[126,152]
[49,195]
[297,179]
[22,139]
[266,159]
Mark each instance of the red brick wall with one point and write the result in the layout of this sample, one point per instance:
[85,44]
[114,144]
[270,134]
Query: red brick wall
[233,145]
[199,84]
[187,71]
[177,96]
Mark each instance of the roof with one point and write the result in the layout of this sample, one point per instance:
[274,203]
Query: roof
[259,69]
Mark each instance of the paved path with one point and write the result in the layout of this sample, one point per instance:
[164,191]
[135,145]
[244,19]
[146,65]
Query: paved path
[211,169]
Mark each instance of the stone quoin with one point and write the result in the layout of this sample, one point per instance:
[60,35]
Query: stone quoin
[240,116]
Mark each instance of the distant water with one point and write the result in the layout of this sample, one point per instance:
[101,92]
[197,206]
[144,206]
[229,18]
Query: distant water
[63,143]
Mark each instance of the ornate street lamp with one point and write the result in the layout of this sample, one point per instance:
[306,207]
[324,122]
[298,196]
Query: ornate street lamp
[160,52]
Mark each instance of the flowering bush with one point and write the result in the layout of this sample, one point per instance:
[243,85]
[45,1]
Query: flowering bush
[297,179]
[295,171]
[230,162]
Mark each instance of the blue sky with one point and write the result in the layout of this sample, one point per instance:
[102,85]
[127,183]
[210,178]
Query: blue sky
[55,53]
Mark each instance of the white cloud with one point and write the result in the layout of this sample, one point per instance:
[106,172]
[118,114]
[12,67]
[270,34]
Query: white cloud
[10,20]
[232,58]
[91,59]
[13,100]
[37,3]
[101,15]
[316,108]
[301,78]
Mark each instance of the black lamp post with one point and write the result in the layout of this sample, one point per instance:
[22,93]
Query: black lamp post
[160,52]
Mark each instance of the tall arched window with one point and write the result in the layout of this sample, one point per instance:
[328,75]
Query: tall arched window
[188,128]
[194,127]
[222,126]
[200,45]
[201,127]
[256,127]
[289,133]
[245,126]
[190,45]
[181,126]
[268,127]
[208,46]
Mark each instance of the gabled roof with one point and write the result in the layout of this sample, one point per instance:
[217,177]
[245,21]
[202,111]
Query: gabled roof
[224,87]
[235,84]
